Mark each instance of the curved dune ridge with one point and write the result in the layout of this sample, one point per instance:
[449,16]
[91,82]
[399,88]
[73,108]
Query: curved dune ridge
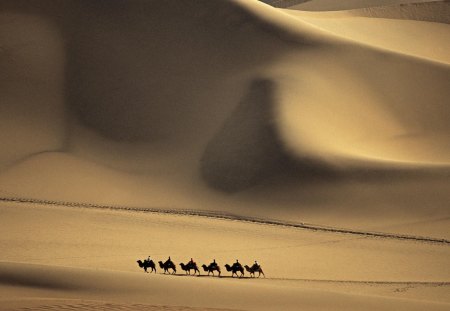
[286,109]
[128,89]
[435,11]
[330,5]
[230,108]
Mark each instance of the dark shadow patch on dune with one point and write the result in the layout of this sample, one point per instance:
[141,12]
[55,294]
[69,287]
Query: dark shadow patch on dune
[247,150]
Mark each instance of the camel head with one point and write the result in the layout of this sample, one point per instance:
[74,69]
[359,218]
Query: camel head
[205,267]
[228,267]
[183,266]
[247,268]
[140,263]
[161,264]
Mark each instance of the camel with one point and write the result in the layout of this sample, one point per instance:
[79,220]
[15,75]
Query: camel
[254,269]
[211,268]
[190,266]
[234,269]
[147,264]
[168,265]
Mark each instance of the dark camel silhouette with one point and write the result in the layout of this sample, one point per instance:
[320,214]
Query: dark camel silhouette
[211,268]
[190,266]
[234,269]
[254,269]
[147,264]
[168,265]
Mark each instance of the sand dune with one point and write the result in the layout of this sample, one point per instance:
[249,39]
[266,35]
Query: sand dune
[388,118]
[438,11]
[330,5]
[337,119]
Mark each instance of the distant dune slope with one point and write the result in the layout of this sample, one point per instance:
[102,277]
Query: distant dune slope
[332,5]
[437,11]
[172,102]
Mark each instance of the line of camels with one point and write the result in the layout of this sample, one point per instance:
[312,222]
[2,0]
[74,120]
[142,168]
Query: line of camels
[211,268]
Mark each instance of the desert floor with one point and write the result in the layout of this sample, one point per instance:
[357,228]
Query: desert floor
[313,141]
[73,258]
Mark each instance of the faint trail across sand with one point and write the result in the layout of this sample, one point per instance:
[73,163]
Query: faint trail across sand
[360,282]
[234,217]
[413,283]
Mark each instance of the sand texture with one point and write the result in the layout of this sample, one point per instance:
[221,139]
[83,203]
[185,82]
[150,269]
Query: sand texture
[314,138]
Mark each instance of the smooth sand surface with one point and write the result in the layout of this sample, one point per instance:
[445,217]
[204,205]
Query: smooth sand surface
[54,255]
[227,109]
[331,5]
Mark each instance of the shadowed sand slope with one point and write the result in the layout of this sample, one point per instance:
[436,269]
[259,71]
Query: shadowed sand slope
[247,149]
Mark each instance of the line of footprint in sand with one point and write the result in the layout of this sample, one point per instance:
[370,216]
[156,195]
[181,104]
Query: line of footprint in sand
[233,217]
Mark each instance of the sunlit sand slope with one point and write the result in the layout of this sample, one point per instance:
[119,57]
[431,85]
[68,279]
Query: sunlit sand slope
[331,5]
[81,258]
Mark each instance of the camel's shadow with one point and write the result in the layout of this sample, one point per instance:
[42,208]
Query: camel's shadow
[207,276]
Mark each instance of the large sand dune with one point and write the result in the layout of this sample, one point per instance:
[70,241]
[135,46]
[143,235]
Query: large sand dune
[235,107]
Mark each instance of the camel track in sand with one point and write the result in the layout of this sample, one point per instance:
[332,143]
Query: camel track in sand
[360,282]
[234,217]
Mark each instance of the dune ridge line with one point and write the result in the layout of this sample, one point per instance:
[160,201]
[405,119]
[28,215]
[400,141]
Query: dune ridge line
[229,216]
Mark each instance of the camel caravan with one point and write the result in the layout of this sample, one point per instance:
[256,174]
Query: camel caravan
[169,267]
